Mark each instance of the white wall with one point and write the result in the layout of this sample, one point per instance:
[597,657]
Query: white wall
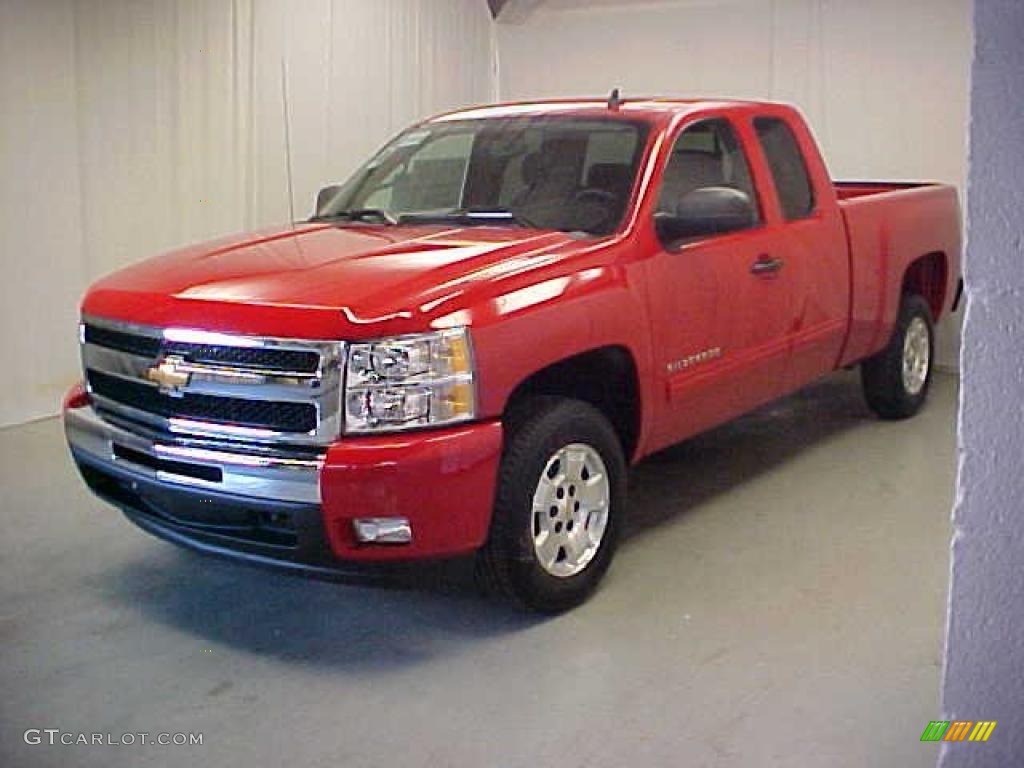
[134,126]
[984,644]
[42,270]
[883,83]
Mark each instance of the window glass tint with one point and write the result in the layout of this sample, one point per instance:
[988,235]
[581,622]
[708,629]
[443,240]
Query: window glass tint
[608,148]
[550,172]
[700,138]
[792,182]
[707,154]
[514,178]
[435,175]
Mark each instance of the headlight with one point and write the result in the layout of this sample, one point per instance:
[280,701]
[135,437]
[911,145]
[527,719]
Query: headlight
[409,381]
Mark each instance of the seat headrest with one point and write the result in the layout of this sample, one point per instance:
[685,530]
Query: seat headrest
[532,168]
[700,169]
[612,177]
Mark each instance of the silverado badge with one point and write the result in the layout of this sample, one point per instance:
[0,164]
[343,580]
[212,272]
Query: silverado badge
[169,375]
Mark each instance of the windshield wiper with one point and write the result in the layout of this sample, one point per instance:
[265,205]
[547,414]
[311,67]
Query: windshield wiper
[474,216]
[359,214]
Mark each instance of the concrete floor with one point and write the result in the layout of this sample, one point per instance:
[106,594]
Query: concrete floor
[780,602]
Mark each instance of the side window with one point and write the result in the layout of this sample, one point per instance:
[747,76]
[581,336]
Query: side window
[434,176]
[792,181]
[707,154]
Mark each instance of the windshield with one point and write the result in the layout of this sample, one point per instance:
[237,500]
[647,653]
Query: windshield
[552,172]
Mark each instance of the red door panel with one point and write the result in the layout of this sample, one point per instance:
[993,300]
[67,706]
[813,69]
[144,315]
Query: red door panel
[722,338]
[722,304]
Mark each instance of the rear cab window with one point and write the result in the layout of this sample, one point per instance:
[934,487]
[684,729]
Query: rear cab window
[788,167]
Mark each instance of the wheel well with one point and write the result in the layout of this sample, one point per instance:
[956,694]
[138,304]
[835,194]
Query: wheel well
[927,277]
[604,377]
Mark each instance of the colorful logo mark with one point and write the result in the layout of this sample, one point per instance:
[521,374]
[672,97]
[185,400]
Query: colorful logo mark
[958,730]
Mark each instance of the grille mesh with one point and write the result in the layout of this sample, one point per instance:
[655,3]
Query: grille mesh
[133,344]
[297,360]
[260,414]
[246,357]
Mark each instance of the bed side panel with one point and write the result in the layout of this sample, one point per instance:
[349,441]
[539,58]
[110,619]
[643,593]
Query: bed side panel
[886,233]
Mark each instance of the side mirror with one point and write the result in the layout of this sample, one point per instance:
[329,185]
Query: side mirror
[706,211]
[325,197]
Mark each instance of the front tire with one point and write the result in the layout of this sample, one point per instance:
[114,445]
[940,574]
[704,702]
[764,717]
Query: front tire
[559,505]
[896,379]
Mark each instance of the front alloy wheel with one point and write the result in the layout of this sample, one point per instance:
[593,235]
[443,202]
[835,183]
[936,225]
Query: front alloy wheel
[570,510]
[560,499]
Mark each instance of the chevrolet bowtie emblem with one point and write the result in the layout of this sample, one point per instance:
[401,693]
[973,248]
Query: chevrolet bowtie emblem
[169,375]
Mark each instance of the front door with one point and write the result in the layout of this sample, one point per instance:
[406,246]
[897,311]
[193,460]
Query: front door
[720,302]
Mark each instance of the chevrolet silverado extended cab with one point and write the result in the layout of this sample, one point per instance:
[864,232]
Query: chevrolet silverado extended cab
[472,338]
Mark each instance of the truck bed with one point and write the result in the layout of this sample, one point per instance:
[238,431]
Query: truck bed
[890,225]
[849,190]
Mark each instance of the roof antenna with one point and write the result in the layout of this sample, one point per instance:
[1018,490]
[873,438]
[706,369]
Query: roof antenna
[287,140]
[613,99]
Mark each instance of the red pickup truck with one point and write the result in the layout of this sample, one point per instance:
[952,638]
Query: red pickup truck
[472,338]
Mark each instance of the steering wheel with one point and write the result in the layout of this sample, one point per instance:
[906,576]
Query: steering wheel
[593,208]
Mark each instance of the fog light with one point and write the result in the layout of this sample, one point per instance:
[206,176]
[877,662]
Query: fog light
[382,530]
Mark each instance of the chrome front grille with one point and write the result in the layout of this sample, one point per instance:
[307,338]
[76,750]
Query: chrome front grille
[260,358]
[190,382]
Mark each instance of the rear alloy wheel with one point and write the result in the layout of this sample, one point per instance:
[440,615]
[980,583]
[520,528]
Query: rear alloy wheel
[557,516]
[917,356]
[896,379]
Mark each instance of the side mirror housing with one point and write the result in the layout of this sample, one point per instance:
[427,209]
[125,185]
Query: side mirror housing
[324,197]
[706,211]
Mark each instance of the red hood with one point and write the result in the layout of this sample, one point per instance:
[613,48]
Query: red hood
[317,280]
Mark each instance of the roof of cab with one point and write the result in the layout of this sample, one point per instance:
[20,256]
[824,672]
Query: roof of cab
[649,108]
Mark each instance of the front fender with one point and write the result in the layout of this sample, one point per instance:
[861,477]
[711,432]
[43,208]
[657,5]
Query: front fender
[523,330]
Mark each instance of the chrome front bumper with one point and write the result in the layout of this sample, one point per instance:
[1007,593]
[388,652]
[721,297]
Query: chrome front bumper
[264,476]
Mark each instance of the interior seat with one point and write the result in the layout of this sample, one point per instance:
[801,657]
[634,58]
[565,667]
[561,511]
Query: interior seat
[688,171]
[610,177]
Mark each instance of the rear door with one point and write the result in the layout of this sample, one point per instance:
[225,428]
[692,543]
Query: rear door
[720,303]
[811,248]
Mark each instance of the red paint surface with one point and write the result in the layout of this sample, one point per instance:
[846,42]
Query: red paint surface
[76,397]
[441,480]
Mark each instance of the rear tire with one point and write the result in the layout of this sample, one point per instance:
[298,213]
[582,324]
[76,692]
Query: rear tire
[896,379]
[559,505]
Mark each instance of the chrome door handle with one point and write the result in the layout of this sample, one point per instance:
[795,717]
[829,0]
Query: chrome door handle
[765,265]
